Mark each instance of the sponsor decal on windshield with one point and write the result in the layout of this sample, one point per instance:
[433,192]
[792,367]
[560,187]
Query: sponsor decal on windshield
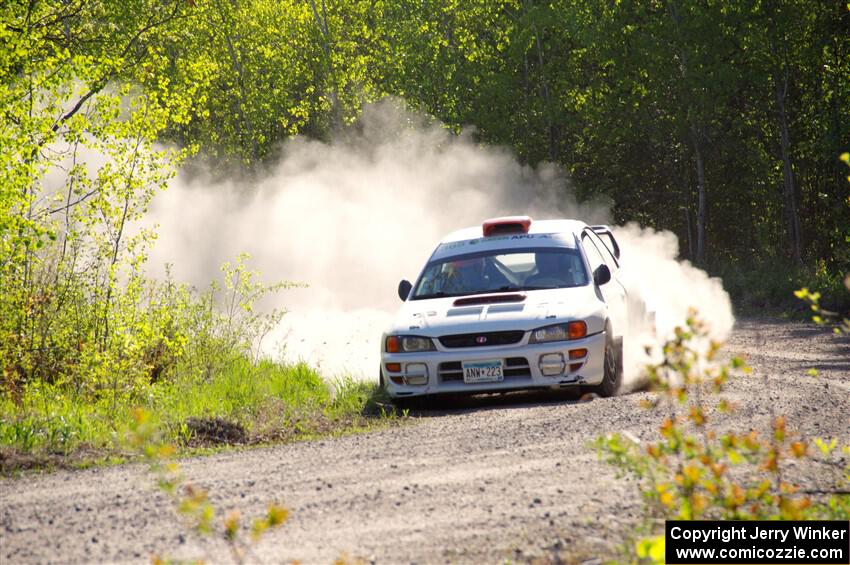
[459,244]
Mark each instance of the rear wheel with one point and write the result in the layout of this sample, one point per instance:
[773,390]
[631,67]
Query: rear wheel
[613,374]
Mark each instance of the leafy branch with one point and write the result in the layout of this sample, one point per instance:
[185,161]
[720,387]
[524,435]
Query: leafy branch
[192,502]
[697,470]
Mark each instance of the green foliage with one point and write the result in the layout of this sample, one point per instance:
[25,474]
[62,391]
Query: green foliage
[822,316]
[87,92]
[79,165]
[697,469]
[759,286]
[651,549]
[169,340]
[692,117]
[183,355]
[217,327]
[631,98]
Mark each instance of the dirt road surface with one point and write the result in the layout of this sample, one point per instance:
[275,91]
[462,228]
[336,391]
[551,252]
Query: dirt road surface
[484,482]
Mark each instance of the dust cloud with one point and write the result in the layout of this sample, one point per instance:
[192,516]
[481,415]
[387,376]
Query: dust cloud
[669,289]
[352,217]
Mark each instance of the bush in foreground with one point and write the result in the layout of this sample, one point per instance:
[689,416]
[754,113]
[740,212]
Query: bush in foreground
[697,469]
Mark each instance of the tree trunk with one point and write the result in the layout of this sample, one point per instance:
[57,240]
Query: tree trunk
[551,130]
[696,134]
[689,227]
[324,29]
[792,216]
[244,127]
[702,200]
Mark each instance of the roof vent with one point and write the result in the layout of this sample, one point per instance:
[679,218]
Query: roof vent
[508,224]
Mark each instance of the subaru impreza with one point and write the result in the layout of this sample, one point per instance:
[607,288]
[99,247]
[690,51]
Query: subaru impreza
[508,305]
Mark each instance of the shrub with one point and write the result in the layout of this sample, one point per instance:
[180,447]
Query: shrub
[697,470]
[192,502]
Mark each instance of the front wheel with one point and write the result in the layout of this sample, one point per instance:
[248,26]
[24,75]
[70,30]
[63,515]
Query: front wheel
[401,403]
[409,402]
[613,375]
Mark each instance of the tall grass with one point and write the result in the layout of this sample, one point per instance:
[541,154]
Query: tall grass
[242,389]
[268,400]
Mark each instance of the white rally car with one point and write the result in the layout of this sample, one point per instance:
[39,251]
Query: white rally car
[511,304]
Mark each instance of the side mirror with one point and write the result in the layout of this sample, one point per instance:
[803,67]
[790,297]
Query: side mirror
[404,288]
[601,275]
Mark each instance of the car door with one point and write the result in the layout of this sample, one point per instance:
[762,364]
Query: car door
[614,293]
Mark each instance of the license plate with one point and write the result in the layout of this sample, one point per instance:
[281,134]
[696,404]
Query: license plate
[483,371]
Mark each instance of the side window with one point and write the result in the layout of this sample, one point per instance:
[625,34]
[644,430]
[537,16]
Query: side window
[593,256]
[606,253]
[610,244]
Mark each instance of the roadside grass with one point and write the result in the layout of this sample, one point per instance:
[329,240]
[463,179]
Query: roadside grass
[245,404]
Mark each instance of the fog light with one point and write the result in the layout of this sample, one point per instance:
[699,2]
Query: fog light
[578,353]
[552,364]
[393,367]
[397,380]
[575,367]
[416,374]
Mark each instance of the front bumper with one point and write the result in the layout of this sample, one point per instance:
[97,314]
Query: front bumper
[440,372]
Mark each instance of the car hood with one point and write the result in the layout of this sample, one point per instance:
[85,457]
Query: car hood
[440,316]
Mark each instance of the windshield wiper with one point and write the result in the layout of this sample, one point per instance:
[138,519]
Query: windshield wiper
[509,288]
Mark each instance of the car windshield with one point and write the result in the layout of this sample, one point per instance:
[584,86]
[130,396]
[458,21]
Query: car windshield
[502,271]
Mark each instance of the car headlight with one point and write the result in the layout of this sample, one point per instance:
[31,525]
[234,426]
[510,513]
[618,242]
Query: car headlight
[408,344]
[559,332]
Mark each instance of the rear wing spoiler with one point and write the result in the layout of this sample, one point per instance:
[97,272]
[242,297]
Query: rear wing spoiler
[607,237]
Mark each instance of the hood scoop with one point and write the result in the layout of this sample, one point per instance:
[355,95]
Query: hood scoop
[471,311]
[505,308]
[489,299]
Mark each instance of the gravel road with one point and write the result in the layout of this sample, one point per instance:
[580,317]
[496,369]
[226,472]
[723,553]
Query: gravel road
[485,482]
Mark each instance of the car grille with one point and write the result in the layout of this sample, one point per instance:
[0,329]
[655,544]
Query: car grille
[516,369]
[488,338]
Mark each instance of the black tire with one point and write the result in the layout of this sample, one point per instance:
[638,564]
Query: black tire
[381,382]
[407,402]
[613,365]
